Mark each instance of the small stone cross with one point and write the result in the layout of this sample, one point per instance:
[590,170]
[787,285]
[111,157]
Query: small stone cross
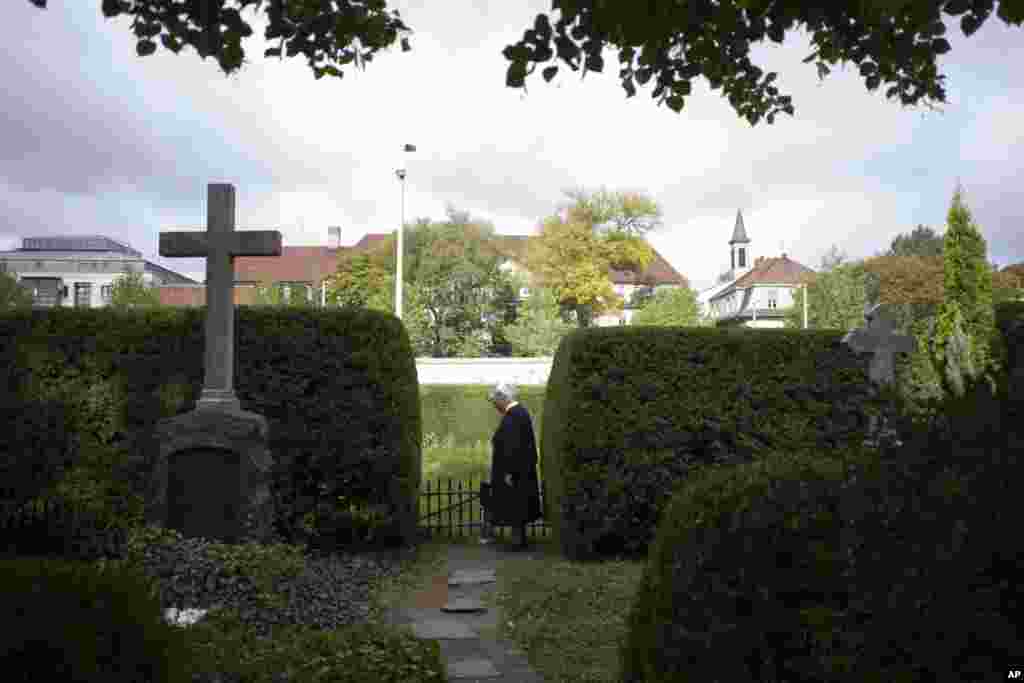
[881,340]
[220,244]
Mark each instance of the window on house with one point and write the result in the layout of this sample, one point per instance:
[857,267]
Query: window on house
[106,293]
[743,257]
[83,294]
[773,298]
[297,291]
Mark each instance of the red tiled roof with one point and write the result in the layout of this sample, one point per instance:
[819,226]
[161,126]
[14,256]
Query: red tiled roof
[295,264]
[775,271]
[370,239]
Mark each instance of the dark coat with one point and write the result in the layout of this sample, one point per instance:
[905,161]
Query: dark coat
[514,450]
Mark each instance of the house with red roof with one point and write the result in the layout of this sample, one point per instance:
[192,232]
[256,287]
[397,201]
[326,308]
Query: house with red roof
[757,291]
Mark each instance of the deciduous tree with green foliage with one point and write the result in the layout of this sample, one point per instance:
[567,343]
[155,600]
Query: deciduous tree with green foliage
[451,268]
[910,271]
[835,296]
[458,270]
[567,257]
[628,212]
[131,291]
[539,327]
[12,294]
[669,306]
[891,42]
[360,282]
[574,252]
[285,294]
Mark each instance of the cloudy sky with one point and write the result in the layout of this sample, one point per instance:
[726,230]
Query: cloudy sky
[94,140]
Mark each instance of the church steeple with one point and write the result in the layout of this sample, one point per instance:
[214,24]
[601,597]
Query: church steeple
[739,233]
[742,260]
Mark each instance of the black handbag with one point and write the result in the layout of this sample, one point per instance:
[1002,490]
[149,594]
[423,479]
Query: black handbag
[505,505]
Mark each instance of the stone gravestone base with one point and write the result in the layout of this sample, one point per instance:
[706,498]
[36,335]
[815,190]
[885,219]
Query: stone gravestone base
[211,476]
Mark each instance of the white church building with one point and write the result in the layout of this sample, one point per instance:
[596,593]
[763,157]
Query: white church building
[757,291]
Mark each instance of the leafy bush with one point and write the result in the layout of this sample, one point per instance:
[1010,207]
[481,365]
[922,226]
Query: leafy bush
[193,573]
[188,572]
[37,449]
[56,528]
[860,566]
[311,483]
[300,655]
[70,621]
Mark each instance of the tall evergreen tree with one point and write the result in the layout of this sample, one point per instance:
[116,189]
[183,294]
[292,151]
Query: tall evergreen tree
[965,347]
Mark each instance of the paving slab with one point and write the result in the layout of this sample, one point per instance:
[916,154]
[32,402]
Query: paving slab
[441,628]
[472,668]
[464,605]
[466,628]
[470,577]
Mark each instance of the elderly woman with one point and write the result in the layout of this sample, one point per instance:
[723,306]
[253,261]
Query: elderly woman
[513,497]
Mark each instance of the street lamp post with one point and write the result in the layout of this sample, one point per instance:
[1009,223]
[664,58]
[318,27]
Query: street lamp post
[398,247]
[805,305]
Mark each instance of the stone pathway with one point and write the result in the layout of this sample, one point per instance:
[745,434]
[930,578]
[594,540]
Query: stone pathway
[452,612]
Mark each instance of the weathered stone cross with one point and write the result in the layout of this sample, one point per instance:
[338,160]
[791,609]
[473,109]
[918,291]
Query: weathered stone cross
[880,340]
[220,245]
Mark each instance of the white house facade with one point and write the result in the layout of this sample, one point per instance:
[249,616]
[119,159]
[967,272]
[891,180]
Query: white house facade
[757,291]
[79,270]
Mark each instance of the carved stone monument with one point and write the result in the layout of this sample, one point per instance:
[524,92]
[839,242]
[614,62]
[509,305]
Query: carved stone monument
[211,477]
[880,340]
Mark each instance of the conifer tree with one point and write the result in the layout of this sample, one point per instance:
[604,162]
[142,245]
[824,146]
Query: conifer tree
[965,346]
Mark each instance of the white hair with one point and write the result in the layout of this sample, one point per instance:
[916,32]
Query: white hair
[503,392]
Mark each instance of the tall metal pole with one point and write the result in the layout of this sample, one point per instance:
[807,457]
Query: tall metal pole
[398,266]
[805,305]
[398,259]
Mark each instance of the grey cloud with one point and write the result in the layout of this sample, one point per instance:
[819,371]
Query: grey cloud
[723,198]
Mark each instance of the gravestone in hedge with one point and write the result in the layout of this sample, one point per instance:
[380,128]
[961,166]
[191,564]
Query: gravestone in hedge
[211,478]
[881,341]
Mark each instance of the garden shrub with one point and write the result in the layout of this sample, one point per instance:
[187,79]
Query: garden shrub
[352,654]
[37,449]
[186,572]
[307,485]
[71,621]
[863,566]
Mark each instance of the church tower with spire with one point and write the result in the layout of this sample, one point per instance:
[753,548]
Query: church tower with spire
[741,258]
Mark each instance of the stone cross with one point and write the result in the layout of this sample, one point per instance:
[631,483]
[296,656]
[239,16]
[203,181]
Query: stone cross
[220,244]
[880,340]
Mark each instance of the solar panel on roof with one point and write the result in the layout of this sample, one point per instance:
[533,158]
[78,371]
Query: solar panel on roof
[77,243]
